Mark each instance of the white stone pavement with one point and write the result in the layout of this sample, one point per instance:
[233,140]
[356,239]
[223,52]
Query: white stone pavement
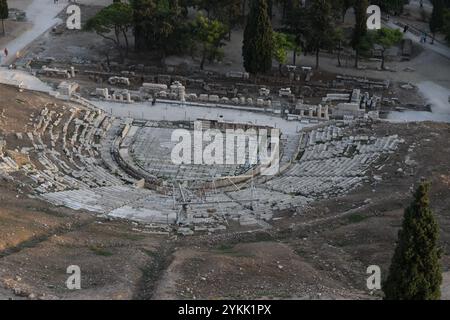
[178,112]
[437,96]
[23,80]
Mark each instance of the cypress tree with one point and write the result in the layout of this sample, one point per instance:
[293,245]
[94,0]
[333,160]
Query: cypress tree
[258,39]
[415,272]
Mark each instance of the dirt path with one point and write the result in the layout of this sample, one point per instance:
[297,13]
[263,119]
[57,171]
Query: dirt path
[166,287]
[156,275]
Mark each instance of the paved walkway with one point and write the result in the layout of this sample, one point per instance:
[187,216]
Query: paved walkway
[42,14]
[437,47]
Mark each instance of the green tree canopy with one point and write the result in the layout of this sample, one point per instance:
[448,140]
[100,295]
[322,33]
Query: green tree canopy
[385,38]
[283,43]
[210,35]
[111,23]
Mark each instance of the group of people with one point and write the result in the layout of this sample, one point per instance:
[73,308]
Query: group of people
[423,37]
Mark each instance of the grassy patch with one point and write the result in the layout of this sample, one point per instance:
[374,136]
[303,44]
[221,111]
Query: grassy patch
[301,252]
[133,237]
[224,249]
[273,294]
[101,251]
[46,210]
[227,249]
[150,253]
[260,237]
[356,218]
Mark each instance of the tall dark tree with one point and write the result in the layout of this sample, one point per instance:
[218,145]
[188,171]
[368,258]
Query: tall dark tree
[319,34]
[415,272]
[160,25]
[340,7]
[296,24]
[313,27]
[142,16]
[437,17]
[360,29]
[446,26]
[258,39]
[3,13]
